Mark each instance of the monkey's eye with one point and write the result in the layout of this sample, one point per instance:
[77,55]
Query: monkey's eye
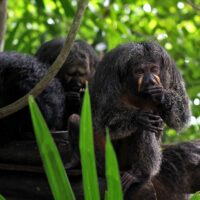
[82,55]
[82,74]
[139,71]
[155,70]
[71,73]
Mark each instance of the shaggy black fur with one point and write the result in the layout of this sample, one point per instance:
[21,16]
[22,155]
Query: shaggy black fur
[81,52]
[179,175]
[18,75]
[137,148]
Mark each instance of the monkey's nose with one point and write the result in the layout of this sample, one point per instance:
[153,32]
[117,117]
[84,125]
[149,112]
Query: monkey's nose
[149,80]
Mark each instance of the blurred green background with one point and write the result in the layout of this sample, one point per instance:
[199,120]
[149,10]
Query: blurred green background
[174,24]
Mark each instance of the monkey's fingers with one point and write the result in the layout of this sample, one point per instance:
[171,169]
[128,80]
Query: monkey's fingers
[154,91]
[154,126]
[156,123]
[157,95]
[149,116]
[155,120]
[155,129]
[154,87]
[149,120]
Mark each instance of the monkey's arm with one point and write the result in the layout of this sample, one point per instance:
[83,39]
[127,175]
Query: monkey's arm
[122,120]
[175,109]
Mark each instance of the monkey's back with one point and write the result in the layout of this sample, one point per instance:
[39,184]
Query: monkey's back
[18,75]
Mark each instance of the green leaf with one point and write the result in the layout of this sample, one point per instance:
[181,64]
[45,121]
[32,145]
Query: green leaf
[114,188]
[66,4]
[2,198]
[90,180]
[40,4]
[53,165]
[12,36]
[106,195]
[196,196]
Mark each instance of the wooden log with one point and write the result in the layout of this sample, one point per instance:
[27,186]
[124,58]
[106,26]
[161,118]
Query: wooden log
[22,175]
[26,152]
[20,185]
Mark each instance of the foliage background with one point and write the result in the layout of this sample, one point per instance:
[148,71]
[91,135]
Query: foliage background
[174,24]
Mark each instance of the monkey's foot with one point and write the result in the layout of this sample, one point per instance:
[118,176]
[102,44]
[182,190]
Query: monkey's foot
[127,180]
[74,163]
[145,191]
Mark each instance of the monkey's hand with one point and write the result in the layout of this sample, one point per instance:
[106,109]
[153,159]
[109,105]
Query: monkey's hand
[73,99]
[157,93]
[150,122]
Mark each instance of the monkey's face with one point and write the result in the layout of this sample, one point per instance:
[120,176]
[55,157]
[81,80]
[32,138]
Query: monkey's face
[146,75]
[74,76]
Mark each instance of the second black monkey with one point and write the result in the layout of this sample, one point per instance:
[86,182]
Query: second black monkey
[77,69]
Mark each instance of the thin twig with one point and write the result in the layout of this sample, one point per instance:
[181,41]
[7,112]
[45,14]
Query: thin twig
[53,70]
[196,7]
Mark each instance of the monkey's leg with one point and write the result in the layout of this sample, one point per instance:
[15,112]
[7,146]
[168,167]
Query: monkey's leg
[135,189]
[179,175]
[142,162]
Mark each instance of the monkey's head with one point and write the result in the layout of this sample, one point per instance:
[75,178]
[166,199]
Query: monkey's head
[75,71]
[134,66]
[78,67]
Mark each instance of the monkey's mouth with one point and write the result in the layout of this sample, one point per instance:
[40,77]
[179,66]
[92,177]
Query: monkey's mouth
[76,89]
[74,95]
[73,86]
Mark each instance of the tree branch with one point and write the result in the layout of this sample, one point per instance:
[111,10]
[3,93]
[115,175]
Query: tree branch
[194,6]
[53,70]
[3,13]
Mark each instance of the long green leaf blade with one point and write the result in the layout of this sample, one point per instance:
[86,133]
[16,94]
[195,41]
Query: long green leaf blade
[2,198]
[90,181]
[53,166]
[114,188]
